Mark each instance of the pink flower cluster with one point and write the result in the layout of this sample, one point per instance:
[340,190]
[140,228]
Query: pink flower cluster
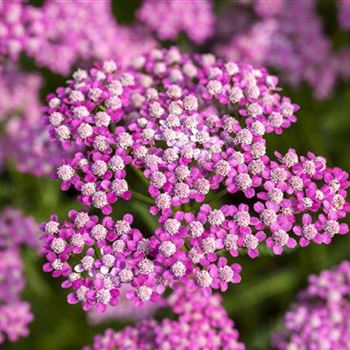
[14,320]
[15,315]
[320,317]
[200,324]
[170,18]
[120,119]
[17,229]
[24,139]
[11,273]
[280,38]
[59,34]
[193,129]
[19,91]
[63,33]
[97,258]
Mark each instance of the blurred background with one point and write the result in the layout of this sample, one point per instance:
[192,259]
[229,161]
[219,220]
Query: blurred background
[270,284]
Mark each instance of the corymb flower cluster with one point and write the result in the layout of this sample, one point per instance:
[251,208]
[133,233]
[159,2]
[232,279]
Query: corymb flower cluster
[194,130]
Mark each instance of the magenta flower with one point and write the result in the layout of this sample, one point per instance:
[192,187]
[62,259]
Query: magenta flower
[222,274]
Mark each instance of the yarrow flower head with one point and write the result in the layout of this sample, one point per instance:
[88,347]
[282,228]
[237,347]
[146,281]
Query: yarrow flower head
[193,129]
[319,318]
[199,323]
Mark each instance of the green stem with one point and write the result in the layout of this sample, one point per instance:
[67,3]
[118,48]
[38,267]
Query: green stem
[187,207]
[218,196]
[140,175]
[141,209]
[143,198]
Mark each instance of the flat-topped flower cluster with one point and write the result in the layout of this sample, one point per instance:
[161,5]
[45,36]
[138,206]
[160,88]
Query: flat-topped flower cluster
[193,129]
